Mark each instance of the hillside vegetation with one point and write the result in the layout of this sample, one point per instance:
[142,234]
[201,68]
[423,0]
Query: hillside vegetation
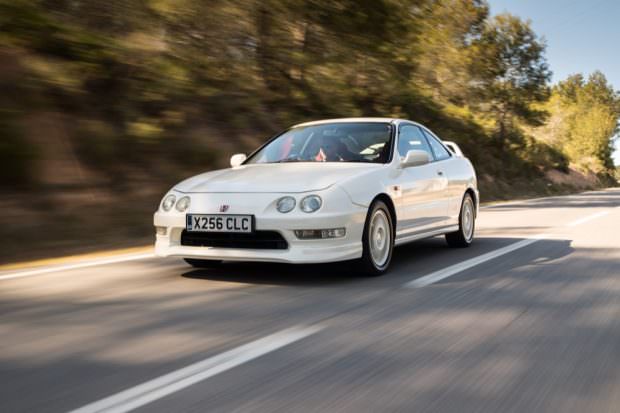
[105,104]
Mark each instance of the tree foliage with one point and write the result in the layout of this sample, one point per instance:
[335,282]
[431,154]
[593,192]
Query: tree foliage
[511,72]
[589,110]
[151,73]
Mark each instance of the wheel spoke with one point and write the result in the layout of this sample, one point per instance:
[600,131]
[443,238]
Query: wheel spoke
[467,219]
[380,238]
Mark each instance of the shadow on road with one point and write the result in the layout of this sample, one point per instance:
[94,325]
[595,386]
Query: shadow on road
[316,275]
[410,261]
[538,255]
[543,319]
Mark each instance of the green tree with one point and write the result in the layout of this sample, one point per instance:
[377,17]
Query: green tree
[445,50]
[510,72]
[592,110]
[147,74]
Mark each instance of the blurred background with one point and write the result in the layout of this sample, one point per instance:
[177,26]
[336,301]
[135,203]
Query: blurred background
[104,105]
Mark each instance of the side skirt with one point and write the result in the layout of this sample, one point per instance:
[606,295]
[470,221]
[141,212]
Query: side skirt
[420,235]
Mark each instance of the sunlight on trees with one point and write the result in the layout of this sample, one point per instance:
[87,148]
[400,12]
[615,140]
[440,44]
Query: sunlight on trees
[157,72]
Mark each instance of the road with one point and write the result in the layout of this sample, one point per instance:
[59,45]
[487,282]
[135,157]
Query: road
[526,319]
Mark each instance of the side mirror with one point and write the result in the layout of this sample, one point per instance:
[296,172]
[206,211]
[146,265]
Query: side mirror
[415,157]
[237,159]
[454,148]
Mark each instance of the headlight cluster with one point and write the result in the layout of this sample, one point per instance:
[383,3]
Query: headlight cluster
[286,204]
[168,202]
[311,203]
[181,205]
[308,204]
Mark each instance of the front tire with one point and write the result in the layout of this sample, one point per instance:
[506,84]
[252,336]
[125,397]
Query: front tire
[467,225]
[196,263]
[377,240]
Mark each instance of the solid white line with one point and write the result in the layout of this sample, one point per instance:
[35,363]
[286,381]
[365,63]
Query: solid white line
[520,202]
[472,262]
[534,200]
[167,384]
[588,218]
[46,270]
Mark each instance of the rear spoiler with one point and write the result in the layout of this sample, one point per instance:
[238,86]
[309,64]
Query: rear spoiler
[454,148]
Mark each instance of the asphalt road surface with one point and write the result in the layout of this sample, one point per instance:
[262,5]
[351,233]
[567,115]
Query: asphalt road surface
[525,320]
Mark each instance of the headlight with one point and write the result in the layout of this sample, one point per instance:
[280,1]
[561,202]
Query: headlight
[285,204]
[183,204]
[311,203]
[168,202]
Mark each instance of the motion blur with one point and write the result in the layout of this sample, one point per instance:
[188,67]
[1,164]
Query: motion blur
[107,107]
[107,103]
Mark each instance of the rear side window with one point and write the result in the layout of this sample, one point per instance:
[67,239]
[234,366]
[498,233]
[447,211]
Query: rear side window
[411,138]
[439,150]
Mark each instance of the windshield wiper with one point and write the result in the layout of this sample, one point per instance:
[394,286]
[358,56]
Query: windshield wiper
[288,160]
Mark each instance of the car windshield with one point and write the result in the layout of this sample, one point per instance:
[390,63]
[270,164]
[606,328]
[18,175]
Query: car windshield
[333,142]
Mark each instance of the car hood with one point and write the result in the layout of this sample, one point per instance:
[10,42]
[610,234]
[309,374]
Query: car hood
[275,178]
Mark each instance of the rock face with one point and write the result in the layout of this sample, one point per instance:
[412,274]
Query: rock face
[573,178]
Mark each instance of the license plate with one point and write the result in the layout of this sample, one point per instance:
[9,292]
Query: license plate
[220,223]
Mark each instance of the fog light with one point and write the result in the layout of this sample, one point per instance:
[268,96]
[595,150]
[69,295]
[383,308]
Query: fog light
[161,230]
[333,233]
[320,233]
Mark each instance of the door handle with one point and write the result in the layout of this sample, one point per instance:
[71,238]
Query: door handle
[440,173]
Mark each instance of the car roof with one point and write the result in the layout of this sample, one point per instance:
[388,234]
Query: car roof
[351,120]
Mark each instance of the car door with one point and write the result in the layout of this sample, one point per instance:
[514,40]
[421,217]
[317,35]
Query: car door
[447,164]
[422,205]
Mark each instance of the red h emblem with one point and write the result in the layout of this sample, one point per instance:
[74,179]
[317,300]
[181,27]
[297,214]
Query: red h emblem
[224,208]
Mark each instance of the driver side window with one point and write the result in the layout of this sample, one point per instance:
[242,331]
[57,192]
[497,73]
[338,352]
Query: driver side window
[410,138]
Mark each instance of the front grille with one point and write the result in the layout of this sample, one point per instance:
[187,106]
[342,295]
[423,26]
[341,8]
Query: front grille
[258,240]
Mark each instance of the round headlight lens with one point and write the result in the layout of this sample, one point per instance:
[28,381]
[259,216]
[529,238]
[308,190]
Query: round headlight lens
[168,202]
[183,204]
[285,204]
[311,203]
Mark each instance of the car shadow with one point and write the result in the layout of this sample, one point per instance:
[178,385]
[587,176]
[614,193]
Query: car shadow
[261,273]
[535,257]
[410,261]
[540,253]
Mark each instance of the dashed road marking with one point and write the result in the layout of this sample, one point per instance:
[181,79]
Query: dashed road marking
[167,384]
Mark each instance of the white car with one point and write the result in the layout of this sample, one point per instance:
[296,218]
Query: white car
[325,191]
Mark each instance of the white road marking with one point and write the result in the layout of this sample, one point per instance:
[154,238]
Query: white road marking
[134,257]
[519,202]
[472,262]
[588,218]
[155,389]
[86,264]
[546,198]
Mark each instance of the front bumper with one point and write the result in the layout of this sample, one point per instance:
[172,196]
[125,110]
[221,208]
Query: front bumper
[267,219]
